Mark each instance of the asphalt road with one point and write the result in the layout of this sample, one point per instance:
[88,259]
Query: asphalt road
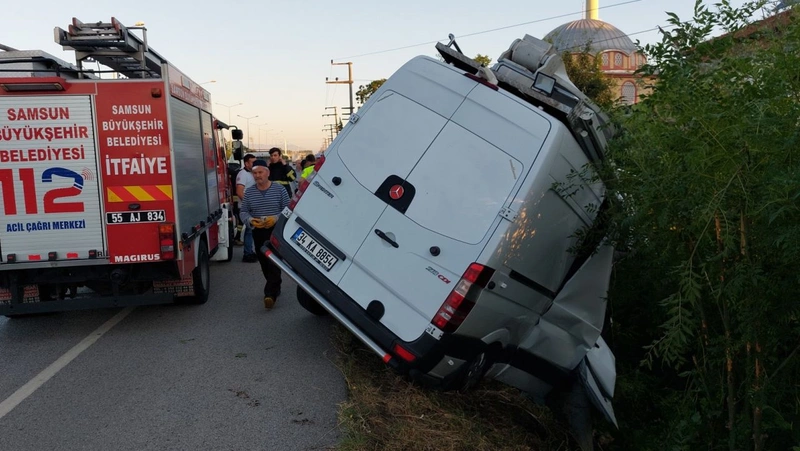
[226,375]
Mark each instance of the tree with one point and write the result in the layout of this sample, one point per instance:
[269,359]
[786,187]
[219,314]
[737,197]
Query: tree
[364,91]
[706,174]
[584,70]
[483,59]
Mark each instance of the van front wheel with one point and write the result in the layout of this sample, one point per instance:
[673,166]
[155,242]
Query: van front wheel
[310,303]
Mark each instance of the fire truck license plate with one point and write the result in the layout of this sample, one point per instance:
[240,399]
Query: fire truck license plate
[131,217]
[314,249]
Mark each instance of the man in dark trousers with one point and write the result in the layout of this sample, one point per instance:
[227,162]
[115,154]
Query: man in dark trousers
[262,204]
[279,171]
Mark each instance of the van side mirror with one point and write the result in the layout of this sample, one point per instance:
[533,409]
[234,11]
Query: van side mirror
[237,133]
[237,150]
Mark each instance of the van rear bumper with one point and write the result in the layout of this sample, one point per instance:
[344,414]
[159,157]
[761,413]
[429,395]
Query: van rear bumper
[308,288]
[376,336]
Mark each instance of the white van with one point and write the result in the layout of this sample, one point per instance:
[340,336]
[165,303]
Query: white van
[438,226]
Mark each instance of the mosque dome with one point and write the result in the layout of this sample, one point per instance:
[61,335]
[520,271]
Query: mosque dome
[600,36]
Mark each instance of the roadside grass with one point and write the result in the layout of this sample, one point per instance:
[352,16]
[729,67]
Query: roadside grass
[385,411]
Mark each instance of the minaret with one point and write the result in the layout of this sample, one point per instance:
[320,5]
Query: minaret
[591,9]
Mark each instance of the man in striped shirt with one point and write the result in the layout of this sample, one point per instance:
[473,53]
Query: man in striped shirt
[262,204]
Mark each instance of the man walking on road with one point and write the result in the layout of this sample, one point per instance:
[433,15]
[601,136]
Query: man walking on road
[245,180]
[262,204]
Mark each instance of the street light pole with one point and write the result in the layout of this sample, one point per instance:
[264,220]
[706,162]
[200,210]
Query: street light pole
[266,134]
[229,109]
[284,142]
[248,126]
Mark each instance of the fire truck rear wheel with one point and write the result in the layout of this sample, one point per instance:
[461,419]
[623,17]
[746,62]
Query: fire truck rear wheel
[201,275]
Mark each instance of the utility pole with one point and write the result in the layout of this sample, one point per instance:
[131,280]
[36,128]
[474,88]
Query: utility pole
[329,128]
[349,81]
[335,125]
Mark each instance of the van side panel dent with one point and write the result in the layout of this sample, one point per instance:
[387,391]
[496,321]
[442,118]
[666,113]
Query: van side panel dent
[572,325]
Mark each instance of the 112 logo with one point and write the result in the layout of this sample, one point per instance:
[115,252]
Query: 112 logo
[27,177]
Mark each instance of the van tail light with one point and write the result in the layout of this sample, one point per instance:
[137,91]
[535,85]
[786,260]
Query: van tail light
[301,188]
[403,353]
[461,300]
[166,240]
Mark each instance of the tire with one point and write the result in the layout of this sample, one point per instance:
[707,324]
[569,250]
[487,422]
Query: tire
[474,371]
[201,275]
[310,303]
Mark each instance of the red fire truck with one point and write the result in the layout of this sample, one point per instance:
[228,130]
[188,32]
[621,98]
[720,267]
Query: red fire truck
[113,183]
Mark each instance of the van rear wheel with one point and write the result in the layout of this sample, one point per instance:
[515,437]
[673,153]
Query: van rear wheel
[310,303]
[474,372]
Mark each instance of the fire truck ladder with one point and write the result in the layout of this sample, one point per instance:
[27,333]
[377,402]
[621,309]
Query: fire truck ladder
[113,45]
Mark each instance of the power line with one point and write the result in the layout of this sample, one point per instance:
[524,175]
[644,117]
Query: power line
[542,20]
[485,31]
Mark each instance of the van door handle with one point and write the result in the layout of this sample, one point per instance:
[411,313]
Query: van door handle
[386,238]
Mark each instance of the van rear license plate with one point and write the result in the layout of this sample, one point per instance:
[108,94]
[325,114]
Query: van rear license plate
[314,249]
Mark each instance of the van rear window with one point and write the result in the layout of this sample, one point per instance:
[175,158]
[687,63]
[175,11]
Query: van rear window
[462,182]
[389,139]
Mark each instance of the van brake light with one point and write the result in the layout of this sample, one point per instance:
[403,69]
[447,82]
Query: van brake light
[461,299]
[482,81]
[166,240]
[301,188]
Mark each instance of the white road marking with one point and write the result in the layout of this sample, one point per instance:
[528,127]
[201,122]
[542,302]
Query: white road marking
[32,385]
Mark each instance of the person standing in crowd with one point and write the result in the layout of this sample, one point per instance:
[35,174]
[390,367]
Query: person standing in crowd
[298,170]
[245,180]
[262,204]
[308,165]
[233,172]
[279,171]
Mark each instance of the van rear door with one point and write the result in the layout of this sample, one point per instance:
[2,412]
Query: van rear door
[415,256]
[447,210]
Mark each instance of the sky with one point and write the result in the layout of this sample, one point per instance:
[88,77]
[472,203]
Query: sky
[273,56]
